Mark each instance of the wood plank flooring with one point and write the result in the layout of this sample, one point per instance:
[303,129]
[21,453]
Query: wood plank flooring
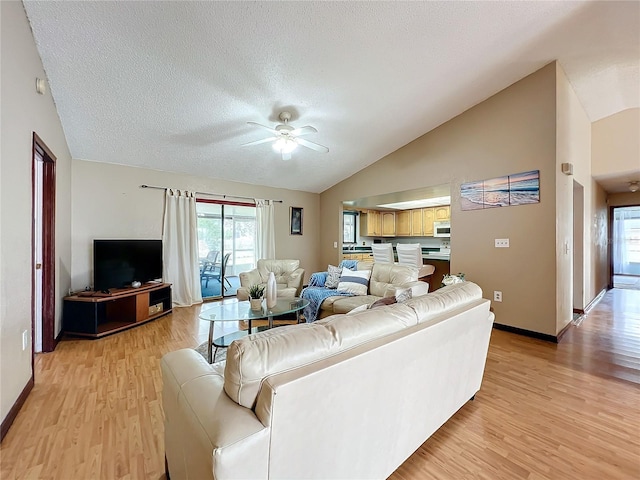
[545,411]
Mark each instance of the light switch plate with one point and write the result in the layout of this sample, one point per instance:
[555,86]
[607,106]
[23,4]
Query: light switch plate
[502,243]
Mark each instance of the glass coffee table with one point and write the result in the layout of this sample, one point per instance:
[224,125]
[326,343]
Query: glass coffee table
[241,311]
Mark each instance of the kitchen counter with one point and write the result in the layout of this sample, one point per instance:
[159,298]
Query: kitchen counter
[427,253]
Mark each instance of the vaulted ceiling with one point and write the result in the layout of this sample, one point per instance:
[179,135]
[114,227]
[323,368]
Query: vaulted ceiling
[172,85]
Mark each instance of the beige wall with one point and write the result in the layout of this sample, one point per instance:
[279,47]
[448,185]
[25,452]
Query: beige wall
[573,145]
[23,112]
[599,226]
[626,199]
[109,203]
[616,144]
[537,123]
[511,132]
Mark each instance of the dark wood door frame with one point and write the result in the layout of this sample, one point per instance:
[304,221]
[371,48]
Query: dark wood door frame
[48,243]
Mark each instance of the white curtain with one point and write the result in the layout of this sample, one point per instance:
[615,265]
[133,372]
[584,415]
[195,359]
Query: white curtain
[626,231]
[265,230]
[180,247]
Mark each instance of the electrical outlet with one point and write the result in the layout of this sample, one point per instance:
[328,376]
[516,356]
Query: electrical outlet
[25,339]
[497,296]
[502,243]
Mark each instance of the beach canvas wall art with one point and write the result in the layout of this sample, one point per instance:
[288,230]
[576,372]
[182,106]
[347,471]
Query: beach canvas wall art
[524,188]
[517,189]
[472,195]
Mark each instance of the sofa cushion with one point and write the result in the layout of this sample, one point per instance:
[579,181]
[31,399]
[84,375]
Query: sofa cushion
[333,276]
[445,299]
[281,269]
[383,302]
[346,304]
[256,356]
[351,330]
[386,274]
[354,282]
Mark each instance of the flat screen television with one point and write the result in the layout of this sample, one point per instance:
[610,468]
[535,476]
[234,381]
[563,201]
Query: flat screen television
[118,263]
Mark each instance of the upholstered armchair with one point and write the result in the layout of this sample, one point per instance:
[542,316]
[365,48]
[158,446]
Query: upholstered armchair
[287,272]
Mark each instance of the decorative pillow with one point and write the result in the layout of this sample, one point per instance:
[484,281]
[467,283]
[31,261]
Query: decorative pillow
[383,301]
[333,276]
[403,294]
[354,282]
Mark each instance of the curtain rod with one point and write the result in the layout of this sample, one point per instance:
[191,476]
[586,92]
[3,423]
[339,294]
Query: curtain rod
[206,193]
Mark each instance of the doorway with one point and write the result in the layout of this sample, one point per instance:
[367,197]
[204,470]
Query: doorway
[626,247]
[43,246]
[226,245]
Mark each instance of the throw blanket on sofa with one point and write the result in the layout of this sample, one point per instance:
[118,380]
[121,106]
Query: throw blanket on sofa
[317,295]
[350,264]
[316,292]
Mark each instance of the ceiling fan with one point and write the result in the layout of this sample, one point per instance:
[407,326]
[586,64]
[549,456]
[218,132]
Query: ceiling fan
[287,138]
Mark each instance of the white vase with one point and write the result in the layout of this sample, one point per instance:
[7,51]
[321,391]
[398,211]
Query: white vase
[271,291]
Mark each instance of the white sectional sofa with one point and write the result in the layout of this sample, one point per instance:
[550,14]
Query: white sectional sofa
[349,396]
[385,277]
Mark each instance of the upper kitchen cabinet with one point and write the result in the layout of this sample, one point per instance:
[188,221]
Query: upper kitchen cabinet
[443,213]
[428,217]
[403,223]
[370,224]
[416,223]
[388,224]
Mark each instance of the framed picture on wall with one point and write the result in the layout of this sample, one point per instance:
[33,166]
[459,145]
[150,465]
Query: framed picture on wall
[296,221]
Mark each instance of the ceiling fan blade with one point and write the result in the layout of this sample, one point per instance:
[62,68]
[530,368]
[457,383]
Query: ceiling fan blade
[263,126]
[306,130]
[313,146]
[258,142]
[286,155]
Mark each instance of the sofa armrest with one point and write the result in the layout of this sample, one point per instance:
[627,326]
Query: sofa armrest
[207,434]
[295,280]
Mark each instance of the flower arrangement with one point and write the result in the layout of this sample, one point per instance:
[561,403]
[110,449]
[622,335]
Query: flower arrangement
[256,291]
[451,279]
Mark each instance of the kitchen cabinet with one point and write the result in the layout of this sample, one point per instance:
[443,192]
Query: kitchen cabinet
[388,224]
[403,223]
[442,214]
[416,222]
[428,216]
[370,224]
[361,257]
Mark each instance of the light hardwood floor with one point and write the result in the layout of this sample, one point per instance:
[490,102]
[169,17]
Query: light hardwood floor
[545,411]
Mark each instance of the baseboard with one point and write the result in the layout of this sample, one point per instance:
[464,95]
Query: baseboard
[595,301]
[563,331]
[526,333]
[57,339]
[13,413]
[592,303]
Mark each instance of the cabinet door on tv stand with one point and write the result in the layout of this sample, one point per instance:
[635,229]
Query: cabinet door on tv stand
[82,317]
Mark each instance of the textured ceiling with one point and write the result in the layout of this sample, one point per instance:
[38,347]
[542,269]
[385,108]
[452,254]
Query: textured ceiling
[171,85]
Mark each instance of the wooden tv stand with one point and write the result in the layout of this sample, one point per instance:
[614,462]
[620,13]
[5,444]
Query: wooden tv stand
[96,314]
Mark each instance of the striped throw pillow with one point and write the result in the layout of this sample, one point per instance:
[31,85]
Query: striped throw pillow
[355,282]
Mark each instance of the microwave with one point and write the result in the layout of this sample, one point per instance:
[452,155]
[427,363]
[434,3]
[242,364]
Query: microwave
[441,229]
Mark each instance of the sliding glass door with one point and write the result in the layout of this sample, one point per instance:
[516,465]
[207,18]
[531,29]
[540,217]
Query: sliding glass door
[626,243]
[226,242]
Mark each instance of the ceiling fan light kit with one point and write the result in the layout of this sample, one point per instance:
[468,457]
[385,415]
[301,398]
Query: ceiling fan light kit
[286,138]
